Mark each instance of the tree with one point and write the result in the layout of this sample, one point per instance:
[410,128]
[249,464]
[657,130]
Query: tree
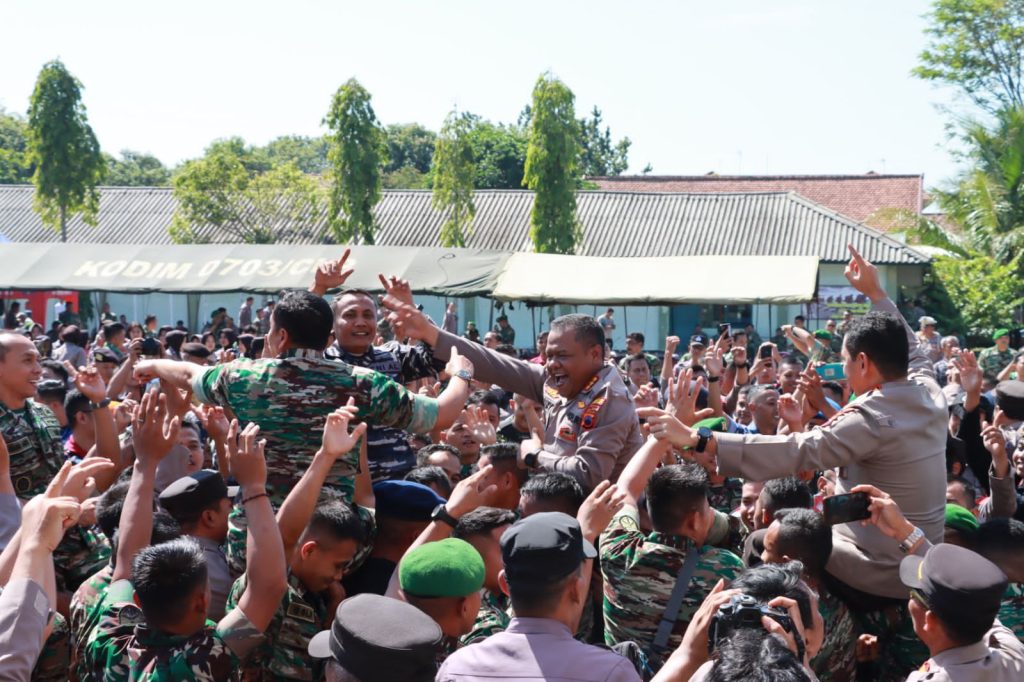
[499,151]
[64,150]
[135,169]
[454,173]
[410,145]
[217,191]
[977,46]
[357,152]
[598,154]
[985,292]
[309,154]
[14,165]
[552,169]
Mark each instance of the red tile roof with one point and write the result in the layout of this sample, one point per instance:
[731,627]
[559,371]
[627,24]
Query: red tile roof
[859,197]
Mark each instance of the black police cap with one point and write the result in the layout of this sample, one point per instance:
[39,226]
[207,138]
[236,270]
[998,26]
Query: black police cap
[543,548]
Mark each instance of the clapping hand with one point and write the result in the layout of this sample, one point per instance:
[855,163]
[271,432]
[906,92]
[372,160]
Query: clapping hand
[337,439]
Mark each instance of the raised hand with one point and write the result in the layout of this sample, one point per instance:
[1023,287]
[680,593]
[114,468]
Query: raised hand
[80,481]
[863,276]
[790,411]
[457,363]
[810,385]
[88,382]
[682,398]
[886,515]
[995,442]
[215,421]
[397,289]
[331,275]
[154,431]
[472,492]
[970,374]
[246,460]
[337,440]
[714,361]
[478,423]
[408,322]
[739,355]
[671,343]
[123,414]
[646,396]
[599,508]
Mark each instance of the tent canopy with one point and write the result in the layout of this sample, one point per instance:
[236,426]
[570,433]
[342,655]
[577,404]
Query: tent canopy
[532,277]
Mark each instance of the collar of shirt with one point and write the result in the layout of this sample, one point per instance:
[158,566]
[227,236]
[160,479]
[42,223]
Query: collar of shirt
[307,353]
[538,626]
[207,544]
[673,541]
[150,637]
[961,655]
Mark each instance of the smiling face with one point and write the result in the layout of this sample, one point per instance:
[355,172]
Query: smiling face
[571,363]
[20,370]
[355,322]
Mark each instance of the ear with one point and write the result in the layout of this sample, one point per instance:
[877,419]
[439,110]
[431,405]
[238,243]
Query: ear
[766,518]
[503,583]
[307,548]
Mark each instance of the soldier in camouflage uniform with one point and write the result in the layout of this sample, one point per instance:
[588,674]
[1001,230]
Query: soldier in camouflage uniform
[52,665]
[725,495]
[482,528]
[81,616]
[1011,612]
[493,617]
[993,360]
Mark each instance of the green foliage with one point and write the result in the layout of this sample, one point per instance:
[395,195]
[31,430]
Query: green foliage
[14,165]
[454,173]
[552,169]
[410,145]
[357,153]
[309,154]
[64,150]
[985,292]
[598,154]
[977,46]
[406,177]
[499,151]
[135,169]
[242,204]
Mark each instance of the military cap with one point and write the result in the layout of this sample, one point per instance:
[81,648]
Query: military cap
[960,519]
[405,500]
[1010,399]
[543,548]
[956,583]
[196,491]
[378,638]
[447,568]
[699,340]
[713,423]
[1000,333]
[823,334]
[105,355]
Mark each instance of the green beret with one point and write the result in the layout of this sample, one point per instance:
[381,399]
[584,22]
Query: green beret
[960,519]
[714,423]
[447,568]
[1000,332]
[823,334]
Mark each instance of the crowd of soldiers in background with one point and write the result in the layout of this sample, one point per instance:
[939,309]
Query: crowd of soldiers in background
[336,487]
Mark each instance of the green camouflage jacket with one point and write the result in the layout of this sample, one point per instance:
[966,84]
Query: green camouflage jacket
[492,617]
[836,661]
[83,614]
[34,446]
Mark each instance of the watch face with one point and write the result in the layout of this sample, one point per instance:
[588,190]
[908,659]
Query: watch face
[704,432]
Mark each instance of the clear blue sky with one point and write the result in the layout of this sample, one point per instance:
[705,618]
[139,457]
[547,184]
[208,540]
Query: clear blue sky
[742,86]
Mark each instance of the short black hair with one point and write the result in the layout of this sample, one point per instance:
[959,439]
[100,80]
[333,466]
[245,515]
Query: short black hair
[199,350]
[755,655]
[674,492]
[483,397]
[785,493]
[800,317]
[533,598]
[1001,541]
[75,404]
[165,529]
[334,520]
[174,339]
[767,581]
[635,357]
[108,508]
[969,489]
[481,521]
[422,456]
[149,318]
[57,368]
[54,390]
[636,336]
[882,338]
[113,328]
[804,536]
[584,327]
[306,317]
[507,349]
[504,457]
[165,576]
[431,476]
[559,489]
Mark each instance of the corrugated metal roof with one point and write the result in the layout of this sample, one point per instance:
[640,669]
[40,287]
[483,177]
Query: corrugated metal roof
[619,224]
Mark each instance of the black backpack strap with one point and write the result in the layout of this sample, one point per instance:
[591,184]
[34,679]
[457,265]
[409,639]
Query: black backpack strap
[675,601]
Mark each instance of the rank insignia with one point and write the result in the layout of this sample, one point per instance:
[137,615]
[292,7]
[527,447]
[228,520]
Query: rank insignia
[589,419]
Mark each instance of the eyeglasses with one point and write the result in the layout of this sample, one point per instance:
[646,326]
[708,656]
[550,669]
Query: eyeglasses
[917,596]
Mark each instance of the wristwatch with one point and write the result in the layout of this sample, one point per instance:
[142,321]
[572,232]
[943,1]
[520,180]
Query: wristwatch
[703,436]
[441,514]
[908,542]
[465,375]
[530,459]
[101,404]
[712,379]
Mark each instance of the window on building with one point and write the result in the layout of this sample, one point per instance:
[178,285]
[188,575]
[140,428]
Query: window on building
[736,315]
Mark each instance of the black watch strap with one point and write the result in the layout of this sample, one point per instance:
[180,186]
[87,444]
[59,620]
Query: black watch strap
[441,514]
[101,404]
[532,459]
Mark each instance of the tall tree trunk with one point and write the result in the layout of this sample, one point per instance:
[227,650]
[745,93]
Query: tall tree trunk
[63,224]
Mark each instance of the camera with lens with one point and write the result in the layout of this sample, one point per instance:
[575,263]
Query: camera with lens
[744,611]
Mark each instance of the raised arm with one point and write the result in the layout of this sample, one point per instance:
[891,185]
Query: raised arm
[298,507]
[266,567]
[176,374]
[90,384]
[634,477]
[154,435]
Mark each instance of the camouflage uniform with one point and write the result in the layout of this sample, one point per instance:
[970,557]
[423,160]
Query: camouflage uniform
[290,399]
[992,361]
[640,571]
[283,653]
[652,361]
[837,659]
[447,647]
[82,620]
[81,553]
[123,647]
[1011,611]
[388,450]
[54,658]
[726,496]
[901,651]
[33,441]
[492,618]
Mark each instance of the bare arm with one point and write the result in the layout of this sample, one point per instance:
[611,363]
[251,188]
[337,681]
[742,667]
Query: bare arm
[177,374]
[634,477]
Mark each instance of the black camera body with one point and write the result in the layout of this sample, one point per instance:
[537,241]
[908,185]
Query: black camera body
[744,611]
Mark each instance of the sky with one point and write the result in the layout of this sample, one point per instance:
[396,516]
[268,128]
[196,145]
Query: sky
[740,87]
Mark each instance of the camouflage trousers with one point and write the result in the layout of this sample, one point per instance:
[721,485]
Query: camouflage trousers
[900,650]
[55,656]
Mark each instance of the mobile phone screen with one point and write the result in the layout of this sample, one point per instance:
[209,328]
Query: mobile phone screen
[765,352]
[846,508]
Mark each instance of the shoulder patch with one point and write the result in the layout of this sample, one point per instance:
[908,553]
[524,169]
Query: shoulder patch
[589,418]
[130,615]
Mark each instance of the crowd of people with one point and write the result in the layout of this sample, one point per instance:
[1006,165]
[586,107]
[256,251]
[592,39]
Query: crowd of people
[333,487]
